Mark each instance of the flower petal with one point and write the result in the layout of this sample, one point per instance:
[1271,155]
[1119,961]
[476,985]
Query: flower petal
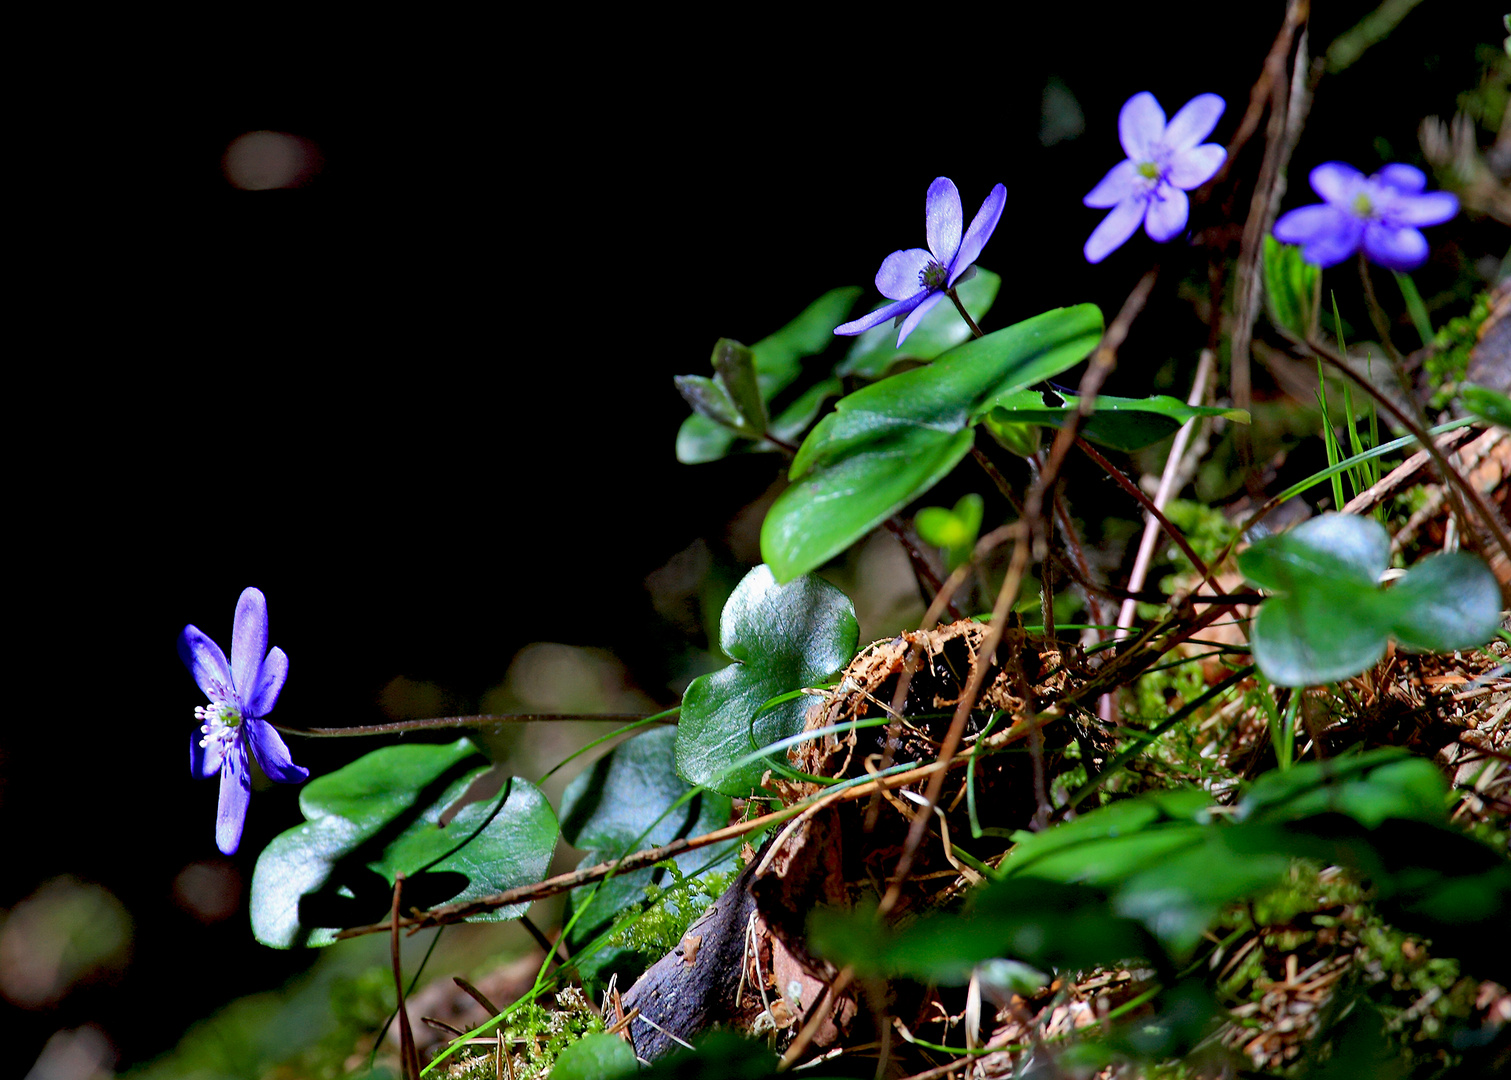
[1407,178]
[207,664]
[272,753]
[1395,249]
[1194,167]
[911,322]
[1194,122]
[275,670]
[942,219]
[1330,247]
[1434,208]
[1115,229]
[1121,182]
[204,761]
[901,273]
[980,231]
[1336,182]
[1306,223]
[1168,212]
[882,314]
[1141,125]
[249,639]
[235,793]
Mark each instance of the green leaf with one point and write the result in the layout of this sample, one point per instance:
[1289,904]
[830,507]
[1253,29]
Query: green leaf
[1046,924]
[596,1056]
[381,815]
[710,400]
[1446,602]
[889,443]
[782,638]
[1126,424]
[954,530]
[875,352]
[777,363]
[795,418]
[1489,405]
[612,808]
[1290,287]
[1371,787]
[1327,618]
[732,398]
[718,1055]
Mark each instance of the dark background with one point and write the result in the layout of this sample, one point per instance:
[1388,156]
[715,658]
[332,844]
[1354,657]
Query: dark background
[425,402]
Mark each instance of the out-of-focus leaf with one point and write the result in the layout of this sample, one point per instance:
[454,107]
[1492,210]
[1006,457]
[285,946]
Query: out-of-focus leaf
[1290,287]
[596,1056]
[1044,923]
[954,530]
[782,638]
[1489,405]
[777,363]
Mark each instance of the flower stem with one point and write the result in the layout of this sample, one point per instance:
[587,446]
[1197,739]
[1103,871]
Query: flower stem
[966,315]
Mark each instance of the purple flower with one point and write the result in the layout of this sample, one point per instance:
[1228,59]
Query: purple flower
[241,695]
[1164,162]
[918,279]
[1381,211]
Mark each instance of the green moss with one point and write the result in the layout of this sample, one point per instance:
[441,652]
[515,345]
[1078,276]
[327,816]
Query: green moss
[1448,360]
[535,1036]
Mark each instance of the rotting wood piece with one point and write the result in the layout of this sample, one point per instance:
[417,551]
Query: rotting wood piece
[677,999]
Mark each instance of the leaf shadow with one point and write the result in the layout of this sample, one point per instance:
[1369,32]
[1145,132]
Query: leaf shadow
[353,894]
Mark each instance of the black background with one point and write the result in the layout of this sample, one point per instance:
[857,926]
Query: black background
[425,402]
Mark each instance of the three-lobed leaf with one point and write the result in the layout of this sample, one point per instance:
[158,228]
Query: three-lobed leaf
[782,637]
[396,811]
[1328,619]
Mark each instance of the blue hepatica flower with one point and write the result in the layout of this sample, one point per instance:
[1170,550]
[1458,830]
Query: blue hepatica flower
[1381,212]
[1164,162]
[918,279]
[234,724]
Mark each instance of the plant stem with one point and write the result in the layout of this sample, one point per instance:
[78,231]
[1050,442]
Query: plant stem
[966,315]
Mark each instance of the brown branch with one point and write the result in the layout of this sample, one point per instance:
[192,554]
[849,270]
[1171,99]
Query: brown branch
[409,1058]
[1103,361]
[441,723]
[1148,505]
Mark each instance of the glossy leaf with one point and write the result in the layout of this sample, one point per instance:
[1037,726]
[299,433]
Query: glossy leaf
[1328,619]
[889,443]
[382,815]
[875,352]
[1126,424]
[777,362]
[782,637]
[612,808]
